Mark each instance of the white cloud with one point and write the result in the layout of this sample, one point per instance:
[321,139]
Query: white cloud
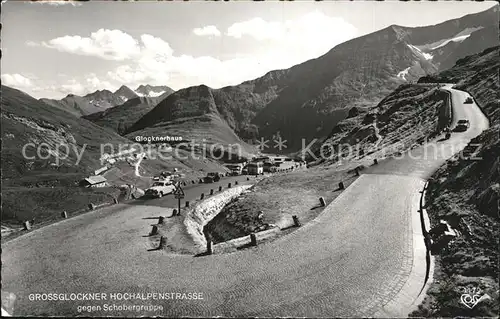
[257,28]
[94,83]
[57,2]
[110,45]
[104,43]
[311,34]
[17,81]
[72,86]
[209,30]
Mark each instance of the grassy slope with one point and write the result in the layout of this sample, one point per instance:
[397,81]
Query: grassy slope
[34,187]
[466,194]
[46,189]
[279,197]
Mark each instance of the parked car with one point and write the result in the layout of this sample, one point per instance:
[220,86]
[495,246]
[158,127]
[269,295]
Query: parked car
[160,188]
[469,100]
[462,125]
[235,169]
[212,177]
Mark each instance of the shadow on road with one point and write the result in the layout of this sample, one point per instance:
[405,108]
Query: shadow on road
[205,253]
[245,246]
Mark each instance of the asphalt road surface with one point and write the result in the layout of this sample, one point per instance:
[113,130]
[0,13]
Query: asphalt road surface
[350,261]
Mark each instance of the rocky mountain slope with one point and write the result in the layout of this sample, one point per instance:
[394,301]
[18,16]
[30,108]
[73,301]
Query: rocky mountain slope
[406,117]
[102,100]
[465,192]
[307,100]
[126,93]
[121,117]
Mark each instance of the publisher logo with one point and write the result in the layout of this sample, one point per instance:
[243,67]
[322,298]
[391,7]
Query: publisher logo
[471,296]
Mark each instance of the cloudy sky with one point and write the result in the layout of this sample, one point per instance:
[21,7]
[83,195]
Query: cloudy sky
[52,49]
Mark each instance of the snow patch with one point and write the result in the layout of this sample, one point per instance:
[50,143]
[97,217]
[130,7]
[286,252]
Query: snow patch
[426,56]
[155,94]
[455,39]
[150,93]
[403,73]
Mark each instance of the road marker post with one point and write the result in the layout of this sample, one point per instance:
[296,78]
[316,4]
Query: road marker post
[64,214]
[210,249]
[341,185]
[26,225]
[220,188]
[187,203]
[229,185]
[296,221]
[202,196]
[91,206]
[253,239]
[236,183]
[154,230]
[163,242]
[211,192]
[322,202]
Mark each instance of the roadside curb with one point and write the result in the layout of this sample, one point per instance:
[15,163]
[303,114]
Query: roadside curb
[413,291]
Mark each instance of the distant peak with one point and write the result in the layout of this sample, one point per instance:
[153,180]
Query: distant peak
[123,88]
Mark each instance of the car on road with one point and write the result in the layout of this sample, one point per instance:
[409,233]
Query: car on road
[236,169]
[212,177]
[462,125]
[160,188]
[469,100]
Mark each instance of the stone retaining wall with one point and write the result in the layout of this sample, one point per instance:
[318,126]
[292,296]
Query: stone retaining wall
[206,210]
